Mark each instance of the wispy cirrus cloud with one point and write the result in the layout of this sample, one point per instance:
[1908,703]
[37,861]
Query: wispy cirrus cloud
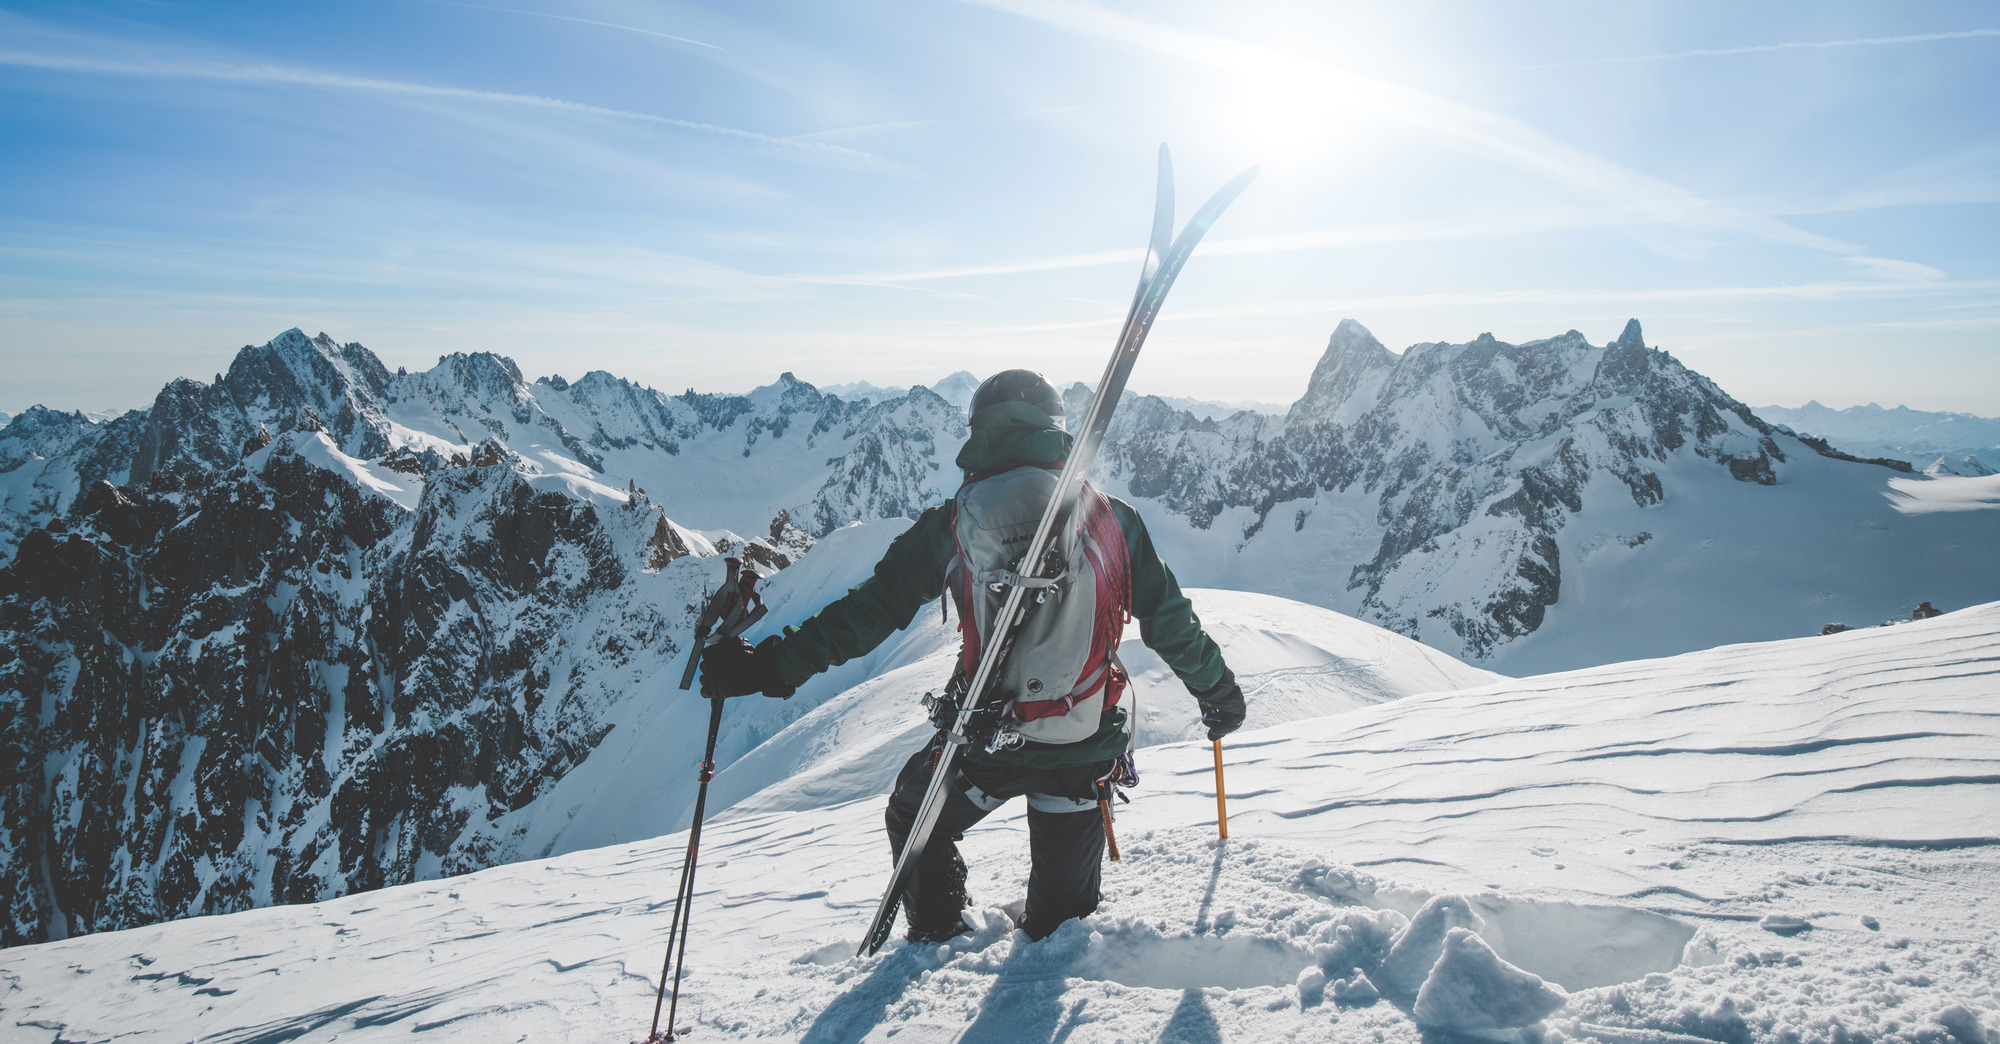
[1340,92]
[1349,306]
[790,149]
[1489,226]
[579,21]
[1793,45]
[1825,291]
[863,130]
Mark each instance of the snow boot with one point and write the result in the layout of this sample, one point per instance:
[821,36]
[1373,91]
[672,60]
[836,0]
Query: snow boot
[933,936]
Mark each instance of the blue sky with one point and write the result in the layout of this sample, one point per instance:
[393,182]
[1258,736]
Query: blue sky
[1800,200]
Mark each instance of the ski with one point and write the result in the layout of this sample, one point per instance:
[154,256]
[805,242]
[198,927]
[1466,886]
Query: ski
[1163,263]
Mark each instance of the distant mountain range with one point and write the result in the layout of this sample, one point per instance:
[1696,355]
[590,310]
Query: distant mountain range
[1940,443]
[957,389]
[321,626]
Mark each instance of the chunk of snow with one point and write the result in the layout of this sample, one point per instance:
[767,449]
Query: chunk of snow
[1419,946]
[1471,988]
[1355,991]
[1963,1025]
[1784,924]
[1312,986]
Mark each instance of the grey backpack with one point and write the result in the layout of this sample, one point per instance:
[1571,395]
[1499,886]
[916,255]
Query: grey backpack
[1059,675]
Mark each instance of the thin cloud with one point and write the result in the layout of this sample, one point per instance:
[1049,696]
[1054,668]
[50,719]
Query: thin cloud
[817,153]
[580,21]
[1412,302]
[1478,130]
[1795,45]
[1046,264]
[1832,291]
[1486,227]
[863,130]
[1048,111]
[1945,324]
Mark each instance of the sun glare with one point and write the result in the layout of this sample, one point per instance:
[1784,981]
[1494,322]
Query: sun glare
[1281,119]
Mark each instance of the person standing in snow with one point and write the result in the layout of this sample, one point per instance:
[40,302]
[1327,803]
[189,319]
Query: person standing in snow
[1016,423]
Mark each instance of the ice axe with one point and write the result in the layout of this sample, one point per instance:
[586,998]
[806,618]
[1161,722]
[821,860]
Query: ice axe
[1221,807]
[727,614]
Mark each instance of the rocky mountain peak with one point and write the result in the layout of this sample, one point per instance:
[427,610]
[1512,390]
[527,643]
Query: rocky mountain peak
[42,431]
[1350,370]
[479,374]
[1631,338]
[294,376]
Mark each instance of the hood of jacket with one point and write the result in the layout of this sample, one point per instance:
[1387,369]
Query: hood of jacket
[1010,434]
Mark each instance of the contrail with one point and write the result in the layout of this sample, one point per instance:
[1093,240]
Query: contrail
[1796,45]
[581,21]
[811,151]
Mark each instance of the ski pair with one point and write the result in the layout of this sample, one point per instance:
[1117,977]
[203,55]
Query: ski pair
[1163,262]
[724,615]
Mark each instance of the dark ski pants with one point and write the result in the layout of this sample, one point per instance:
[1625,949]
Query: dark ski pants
[1065,839]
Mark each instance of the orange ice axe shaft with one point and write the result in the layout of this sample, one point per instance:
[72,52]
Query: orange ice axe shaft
[1221,805]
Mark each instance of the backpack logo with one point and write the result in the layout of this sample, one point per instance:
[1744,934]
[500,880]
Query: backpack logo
[1058,676]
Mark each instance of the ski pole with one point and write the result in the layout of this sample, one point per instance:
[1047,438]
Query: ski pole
[1221,808]
[684,898]
[736,606]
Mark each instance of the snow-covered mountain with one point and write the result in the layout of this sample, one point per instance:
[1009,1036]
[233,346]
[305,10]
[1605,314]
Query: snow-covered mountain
[1758,844]
[1460,494]
[320,627]
[956,389]
[1542,506]
[1965,467]
[314,675]
[843,461]
[1209,409]
[1919,437]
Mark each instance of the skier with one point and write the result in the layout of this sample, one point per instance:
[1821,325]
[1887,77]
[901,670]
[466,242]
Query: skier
[1067,746]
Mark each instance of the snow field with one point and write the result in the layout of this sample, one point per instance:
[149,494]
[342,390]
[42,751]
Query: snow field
[1787,842]
[1294,662]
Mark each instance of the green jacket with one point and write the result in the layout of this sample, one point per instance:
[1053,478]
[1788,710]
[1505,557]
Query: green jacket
[911,574]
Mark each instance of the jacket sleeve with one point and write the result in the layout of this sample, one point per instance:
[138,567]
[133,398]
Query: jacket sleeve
[1167,623]
[910,574]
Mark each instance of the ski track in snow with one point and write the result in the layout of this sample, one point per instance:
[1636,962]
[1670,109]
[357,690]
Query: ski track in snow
[1789,841]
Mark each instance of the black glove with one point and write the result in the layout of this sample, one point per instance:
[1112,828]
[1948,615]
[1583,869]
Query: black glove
[731,667]
[1222,706]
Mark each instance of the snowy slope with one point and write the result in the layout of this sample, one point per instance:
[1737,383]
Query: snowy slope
[1783,842]
[845,732]
[1294,661]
